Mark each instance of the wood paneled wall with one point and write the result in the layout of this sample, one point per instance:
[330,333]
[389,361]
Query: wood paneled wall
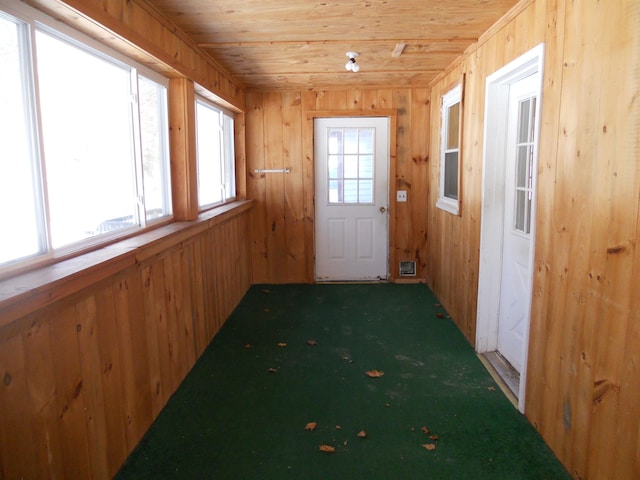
[84,377]
[137,29]
[583,382]
[279,133]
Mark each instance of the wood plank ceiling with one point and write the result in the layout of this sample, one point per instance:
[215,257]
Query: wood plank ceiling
[302,44]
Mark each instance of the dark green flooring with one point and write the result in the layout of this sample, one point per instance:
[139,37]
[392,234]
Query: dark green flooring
[234,419]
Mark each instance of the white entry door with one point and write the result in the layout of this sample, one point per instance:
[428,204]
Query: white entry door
[515,289]
[351,198]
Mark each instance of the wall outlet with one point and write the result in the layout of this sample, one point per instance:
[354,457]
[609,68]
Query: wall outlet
[401,196]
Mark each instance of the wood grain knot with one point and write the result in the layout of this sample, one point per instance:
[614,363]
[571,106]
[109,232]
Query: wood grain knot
[601,388]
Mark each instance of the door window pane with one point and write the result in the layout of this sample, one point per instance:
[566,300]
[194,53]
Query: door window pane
[366,140]
[365,191]
[351,165]
[524,164]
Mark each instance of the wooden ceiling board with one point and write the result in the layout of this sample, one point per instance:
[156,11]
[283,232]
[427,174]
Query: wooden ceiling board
[283,44]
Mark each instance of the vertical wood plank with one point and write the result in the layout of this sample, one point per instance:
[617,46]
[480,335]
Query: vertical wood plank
[70,399]
[293,187]
[308,101]
[256,186]
[275,222]
[42,392]
[136,355]
[152,314]
[16,434]
[92,393]
[420,110]
[111,378]
[182,120]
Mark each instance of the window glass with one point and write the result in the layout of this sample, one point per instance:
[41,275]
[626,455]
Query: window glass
[215,154]
[87,140]
[153,128]
[83,151]
[450,151]
[18,195]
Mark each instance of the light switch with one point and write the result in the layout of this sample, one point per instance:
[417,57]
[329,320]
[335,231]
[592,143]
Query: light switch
[401,196]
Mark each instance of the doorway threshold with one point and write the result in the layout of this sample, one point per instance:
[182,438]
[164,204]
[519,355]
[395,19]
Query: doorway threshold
[507,377]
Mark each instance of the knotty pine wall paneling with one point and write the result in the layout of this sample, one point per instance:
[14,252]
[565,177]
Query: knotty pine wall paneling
[137,29]
[84,377]
[279,132]
[583,380]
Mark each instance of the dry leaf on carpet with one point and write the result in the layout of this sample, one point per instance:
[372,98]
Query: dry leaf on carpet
[311,426]
[327,448]
[374,373]
[425,430]
[429,446]
[362,434]
[312,342]
[282,344]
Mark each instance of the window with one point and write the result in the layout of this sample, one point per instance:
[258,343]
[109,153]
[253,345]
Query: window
[84,156]
[523,185]
[350,163]
[448,198]
[215,154]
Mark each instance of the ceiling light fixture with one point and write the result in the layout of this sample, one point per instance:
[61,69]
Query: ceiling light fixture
[351,64]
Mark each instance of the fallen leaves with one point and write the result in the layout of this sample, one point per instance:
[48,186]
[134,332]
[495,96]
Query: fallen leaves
[311,426]
[282,344]
[327,448]
[433,437]
[272,370]
[374,373]
[248,345]
[362,434]
[312,342]
[440,315]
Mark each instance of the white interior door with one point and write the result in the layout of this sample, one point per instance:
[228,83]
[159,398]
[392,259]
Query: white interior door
[351,198]
[515,289]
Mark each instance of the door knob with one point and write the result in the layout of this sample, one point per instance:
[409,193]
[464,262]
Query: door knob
[382,209]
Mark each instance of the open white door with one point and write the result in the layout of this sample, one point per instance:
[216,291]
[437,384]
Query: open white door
[507,232]
[517,268]
[351,198]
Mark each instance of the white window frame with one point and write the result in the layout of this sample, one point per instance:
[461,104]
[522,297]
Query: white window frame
[34,20]
[453,96]
[227,153]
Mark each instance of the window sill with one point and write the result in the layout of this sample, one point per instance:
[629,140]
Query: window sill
[448,206]
[28,292]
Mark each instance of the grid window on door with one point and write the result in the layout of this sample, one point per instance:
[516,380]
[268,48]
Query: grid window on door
[524,166]
[350,163]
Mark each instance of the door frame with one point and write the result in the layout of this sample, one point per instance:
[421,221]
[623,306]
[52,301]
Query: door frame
[492,225]
[310,178]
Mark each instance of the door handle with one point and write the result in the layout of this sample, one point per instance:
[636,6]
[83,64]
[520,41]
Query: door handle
[382,209]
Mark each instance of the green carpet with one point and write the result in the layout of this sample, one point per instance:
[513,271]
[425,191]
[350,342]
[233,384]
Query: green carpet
[233,418]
